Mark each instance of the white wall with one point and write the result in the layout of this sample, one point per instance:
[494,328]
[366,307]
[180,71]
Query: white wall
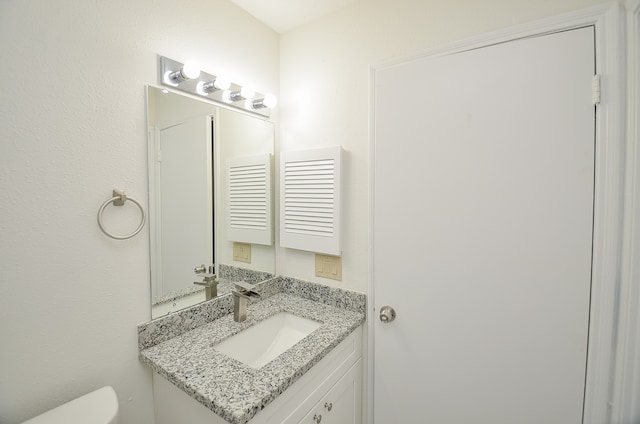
[325,91]
[72,127]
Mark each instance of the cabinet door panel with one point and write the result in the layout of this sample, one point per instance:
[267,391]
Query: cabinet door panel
[311,417]
[342,403]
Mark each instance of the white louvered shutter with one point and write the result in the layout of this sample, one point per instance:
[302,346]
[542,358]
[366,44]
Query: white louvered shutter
[310,200]
[249,195]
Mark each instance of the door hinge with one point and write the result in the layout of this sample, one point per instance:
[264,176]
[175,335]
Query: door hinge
[595,89]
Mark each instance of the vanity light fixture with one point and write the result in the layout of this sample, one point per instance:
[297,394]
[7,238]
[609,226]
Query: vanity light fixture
[219,83]
[188,71]
[188,77]
[269,101]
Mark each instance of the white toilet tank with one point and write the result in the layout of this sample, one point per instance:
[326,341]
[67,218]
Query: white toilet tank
[98,407]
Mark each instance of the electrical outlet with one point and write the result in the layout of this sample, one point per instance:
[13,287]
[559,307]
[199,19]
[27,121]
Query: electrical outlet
[329,267]
[242,252]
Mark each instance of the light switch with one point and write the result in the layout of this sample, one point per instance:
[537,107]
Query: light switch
[242,252]
[329,267]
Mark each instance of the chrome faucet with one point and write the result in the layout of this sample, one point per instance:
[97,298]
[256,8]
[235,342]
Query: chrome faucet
[241,295]
[210,285]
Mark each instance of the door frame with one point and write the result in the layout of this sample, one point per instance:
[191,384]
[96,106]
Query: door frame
[608,20]
[627,368]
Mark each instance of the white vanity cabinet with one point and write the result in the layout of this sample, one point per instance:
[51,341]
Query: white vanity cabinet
[341,405]
[336,380]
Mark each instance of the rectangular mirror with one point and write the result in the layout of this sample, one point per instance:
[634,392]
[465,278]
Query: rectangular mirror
[193,214]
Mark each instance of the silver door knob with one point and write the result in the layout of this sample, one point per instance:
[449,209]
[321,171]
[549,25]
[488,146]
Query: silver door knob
[387,314]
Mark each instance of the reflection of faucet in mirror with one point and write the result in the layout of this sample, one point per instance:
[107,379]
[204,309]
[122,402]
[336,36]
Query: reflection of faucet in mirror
[241,295]
[210,285]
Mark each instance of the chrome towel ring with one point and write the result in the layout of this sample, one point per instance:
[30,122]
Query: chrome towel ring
[118,199]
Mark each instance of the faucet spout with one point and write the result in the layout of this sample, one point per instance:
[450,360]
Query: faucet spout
[210,285]
[241,295]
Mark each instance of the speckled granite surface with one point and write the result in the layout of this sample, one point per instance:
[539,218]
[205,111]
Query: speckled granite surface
[180,346]
[235,273]
[166,327]
[176,295]
[169,326]
[332,296]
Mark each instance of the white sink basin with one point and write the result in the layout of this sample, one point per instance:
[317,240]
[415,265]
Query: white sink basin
[261,343]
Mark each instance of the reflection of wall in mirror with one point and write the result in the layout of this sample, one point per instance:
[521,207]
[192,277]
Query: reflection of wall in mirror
[242,135]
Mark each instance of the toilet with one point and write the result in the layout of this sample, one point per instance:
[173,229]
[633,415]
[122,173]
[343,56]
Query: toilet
[98,407]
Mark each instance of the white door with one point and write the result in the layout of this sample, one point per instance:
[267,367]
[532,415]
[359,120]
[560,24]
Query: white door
[184,234]
[483,214]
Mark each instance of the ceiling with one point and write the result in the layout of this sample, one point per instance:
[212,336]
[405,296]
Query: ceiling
[285,15]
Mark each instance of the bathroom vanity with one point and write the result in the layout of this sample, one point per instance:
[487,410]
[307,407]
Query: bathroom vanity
[316,379]
[294,355]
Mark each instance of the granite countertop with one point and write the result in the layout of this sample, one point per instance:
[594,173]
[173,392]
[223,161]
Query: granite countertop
[231,389]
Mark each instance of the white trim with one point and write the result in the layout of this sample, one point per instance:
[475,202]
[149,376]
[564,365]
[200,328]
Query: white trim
[626,392]
[608,214]
[155,231]
[608,21]
[371,305]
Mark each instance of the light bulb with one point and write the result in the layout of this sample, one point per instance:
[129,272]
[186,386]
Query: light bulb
[205,88]
[270,101]
[226,96]
[190,70]
[221,83]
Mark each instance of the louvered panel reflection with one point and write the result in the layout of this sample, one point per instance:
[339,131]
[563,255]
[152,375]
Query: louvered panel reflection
[310,193]
[249,196]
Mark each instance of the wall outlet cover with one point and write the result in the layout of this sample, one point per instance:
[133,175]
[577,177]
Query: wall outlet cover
[329,267]
[242,252]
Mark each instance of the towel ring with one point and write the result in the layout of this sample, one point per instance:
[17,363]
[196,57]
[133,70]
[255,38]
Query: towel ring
[118,199]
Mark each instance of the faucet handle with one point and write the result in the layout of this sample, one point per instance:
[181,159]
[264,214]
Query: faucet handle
[243,286]
[208,280]
[245,290]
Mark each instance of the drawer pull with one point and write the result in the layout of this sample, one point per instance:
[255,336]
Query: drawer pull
[328,405]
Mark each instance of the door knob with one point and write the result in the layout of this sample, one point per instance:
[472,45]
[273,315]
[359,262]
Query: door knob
[317,418]
[387,314]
